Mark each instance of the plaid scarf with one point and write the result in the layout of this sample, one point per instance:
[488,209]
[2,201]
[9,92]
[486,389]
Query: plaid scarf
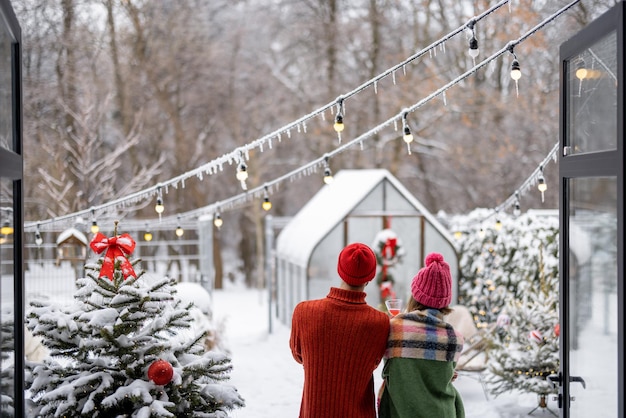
[424,335]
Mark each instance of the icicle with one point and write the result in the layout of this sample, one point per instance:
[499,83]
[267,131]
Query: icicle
[298,128]
[404,69]
[361,144]
[408,148]
[395,125]
[443,47]
[261,147]
[393,77]
[430,52]
[183,183]
[323,115]
[304,126]
[375,87]
[445,102]
[516,88]
[279,137]
[289,133]
[269,142]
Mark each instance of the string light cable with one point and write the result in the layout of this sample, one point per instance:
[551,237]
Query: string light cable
[236,156]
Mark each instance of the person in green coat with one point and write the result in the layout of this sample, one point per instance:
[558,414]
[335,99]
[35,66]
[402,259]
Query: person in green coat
[422,351]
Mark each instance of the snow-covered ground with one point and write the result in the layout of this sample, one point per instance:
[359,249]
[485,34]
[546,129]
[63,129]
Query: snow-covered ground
[270,380]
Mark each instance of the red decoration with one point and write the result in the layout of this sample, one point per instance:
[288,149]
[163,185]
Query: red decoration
[386,290]
[161,372]
[535,336]
[557,329]
[117,248]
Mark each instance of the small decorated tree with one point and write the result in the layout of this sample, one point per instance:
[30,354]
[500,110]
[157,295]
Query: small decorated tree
[117,351]
[525,344]
[509,269]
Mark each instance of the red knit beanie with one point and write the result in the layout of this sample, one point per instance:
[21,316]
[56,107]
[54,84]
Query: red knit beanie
[357,264]
[432,286]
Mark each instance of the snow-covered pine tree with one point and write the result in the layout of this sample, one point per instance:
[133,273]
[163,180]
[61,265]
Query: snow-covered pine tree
[118,350]
[525,344]
[7,378]
[509,281]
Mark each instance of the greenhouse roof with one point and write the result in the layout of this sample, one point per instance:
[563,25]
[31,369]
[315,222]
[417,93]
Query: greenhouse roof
[331,205]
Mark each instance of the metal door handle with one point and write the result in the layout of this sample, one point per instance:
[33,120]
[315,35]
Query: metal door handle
[578,379]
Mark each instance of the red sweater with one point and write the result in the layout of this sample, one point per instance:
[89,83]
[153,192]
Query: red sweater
[340,341]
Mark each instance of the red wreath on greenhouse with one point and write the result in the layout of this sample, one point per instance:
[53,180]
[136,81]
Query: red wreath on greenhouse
[389,251]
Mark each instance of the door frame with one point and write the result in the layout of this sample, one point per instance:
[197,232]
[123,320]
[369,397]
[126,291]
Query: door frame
[11,167]
[593,164]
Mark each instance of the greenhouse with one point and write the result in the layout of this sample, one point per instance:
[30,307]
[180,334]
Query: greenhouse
[368,206]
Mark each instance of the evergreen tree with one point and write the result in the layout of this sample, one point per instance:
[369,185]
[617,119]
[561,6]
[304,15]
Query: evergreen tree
[118,350]
[525,344]
[7,357]
[509,281]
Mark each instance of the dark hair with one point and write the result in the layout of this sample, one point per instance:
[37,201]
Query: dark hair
[414,305]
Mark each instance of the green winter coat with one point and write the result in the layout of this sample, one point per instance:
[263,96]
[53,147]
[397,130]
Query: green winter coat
[419,388]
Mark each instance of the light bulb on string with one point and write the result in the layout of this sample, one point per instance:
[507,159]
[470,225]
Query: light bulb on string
[581,70]
[517,210]
[242,174]
[473,48]
[581,74]
[217,220]
[328,174]
[94,224]
[38,238]
[407,136]
[339,126]
[159,208]
[179,229]
[147,236]
[541,184]
[266,205]
[516,71]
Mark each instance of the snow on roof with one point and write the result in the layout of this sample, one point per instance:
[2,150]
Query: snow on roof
[330,206]
[72,232]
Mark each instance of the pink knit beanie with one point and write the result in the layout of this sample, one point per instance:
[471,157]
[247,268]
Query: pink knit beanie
[432,286]
[357,264]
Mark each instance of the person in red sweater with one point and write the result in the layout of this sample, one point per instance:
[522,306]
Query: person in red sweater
[340,340]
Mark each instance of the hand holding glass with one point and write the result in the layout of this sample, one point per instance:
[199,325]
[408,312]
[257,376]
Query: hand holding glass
[394,306]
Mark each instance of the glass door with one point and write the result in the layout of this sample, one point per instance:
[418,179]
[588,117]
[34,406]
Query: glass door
[591,377]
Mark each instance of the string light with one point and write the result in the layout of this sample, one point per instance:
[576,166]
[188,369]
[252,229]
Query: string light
[266,205]
[179,230]
[406,133]
[473,44]
[339,126]
[94,224]
[6,228]
[541,184]
[517,207]
[215,165]
[217,220]
[147,236]
[581,70]
[38,238]
[159,208]
[516,71]
[328,174]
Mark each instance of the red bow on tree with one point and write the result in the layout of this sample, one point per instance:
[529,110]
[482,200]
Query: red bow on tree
[116,249]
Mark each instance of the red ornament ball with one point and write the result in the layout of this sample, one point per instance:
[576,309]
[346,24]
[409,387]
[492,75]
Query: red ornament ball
[535,336]
[161,372]
[557,329]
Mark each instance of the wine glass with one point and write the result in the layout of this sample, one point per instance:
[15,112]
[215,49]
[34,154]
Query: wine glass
[393,306]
